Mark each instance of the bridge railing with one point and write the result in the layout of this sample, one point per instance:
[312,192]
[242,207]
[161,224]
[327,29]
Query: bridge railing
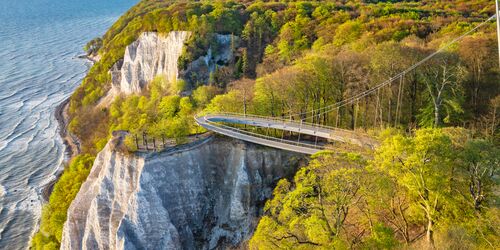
[147,142]
[304,123]
[280,140]
[352,135]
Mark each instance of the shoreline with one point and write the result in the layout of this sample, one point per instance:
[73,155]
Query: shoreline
[90,58]
[71,142]
[71,145]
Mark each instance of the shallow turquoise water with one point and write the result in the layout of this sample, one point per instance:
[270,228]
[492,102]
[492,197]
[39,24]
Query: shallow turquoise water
[39,43]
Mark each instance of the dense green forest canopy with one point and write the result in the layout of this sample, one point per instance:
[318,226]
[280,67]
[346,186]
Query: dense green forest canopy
[299,56]
[299,51]
[419,192]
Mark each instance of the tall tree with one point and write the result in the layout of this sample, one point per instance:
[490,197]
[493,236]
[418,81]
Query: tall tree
[443,78]
[352,77]
[475,53]
[422,166]
[481,162]
[313,212]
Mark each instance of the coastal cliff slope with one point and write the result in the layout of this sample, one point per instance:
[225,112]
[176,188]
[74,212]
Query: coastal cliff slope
[150,55]
[154,54]
[201,196]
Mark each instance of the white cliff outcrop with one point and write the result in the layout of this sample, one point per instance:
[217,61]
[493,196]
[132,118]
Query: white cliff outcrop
[201,196]
[150,55]
[154,54]
[217,56]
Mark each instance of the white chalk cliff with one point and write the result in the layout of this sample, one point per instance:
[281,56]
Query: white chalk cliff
[153,54]
[201,196]
[199,70]
[150,55]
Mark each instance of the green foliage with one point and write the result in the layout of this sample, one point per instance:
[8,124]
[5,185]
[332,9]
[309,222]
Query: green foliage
[413,184]
[481,161]
[157,113]
[444,92]
[381,237]
[278,34]
[307,56]
[93,46]
[54,213]
[423,167]
[230,102]
[179,86]
[347,32]
[311,214]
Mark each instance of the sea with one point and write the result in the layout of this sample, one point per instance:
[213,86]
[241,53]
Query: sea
[40,41]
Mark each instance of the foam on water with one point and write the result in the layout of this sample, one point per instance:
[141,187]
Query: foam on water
[38,70]
[2,191]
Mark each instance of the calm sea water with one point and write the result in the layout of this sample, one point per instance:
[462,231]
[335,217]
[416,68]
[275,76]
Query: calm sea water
[39,43]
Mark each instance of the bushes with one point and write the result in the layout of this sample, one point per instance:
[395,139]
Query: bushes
[157,113]
[204,94]
[91,127]
[93,46]
[54,213]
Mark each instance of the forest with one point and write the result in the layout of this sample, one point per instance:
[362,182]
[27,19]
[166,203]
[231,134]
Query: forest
[433,182]
[435,189]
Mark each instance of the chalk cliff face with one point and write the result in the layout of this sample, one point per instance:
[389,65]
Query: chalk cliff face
[221,54]
[150,55]
[202,196]
[153,54]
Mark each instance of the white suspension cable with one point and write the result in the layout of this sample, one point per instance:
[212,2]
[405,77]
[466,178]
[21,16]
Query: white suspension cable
[390,80]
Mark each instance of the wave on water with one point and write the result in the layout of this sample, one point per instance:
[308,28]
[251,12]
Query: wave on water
[37,72]
[3,191]
[7,96]
[22,130]
[3,144]
[9,136]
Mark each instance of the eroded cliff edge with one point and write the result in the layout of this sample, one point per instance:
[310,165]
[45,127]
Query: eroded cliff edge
[201,196]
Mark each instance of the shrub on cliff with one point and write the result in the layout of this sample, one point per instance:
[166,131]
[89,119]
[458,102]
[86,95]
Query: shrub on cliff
[93,46]
[55,212]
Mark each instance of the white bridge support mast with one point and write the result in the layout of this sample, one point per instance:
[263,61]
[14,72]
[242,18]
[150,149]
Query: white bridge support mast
[498,27]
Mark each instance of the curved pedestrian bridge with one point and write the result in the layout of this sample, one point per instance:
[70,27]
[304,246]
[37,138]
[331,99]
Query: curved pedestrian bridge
[216,122]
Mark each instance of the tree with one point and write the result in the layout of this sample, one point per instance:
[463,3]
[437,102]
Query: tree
[387,60]
[204,94]
[244,62]
[481,162]
[178,86]
[351,78]
[475,53]
[347,33]
[245,87]
[389,204]
[178,128]
[423,167]
[55,212]
[230,102]
[491,119]
[443,80]
[93,46]
[271,93]
[313,213]
[169,106]
[317,81]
